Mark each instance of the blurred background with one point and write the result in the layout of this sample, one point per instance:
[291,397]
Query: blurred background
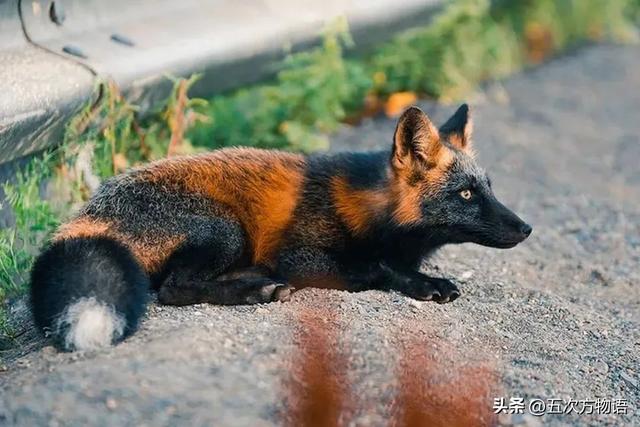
[90,88]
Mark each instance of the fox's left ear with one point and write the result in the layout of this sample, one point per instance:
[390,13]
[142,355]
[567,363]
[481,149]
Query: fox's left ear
[416,141]
[457,130]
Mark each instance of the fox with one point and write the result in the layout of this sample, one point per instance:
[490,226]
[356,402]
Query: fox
[250,226]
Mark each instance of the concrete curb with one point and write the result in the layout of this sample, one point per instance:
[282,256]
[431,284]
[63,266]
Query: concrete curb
[55,51]
[39,91]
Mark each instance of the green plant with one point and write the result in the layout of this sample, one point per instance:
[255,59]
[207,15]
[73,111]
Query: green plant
[464,45]
[312,93]
[165,133]
[633,9]
[117,138]
[34,220]
[99,142]
[476,40]
[469,42]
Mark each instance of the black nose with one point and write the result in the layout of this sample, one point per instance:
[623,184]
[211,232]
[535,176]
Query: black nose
[526,229]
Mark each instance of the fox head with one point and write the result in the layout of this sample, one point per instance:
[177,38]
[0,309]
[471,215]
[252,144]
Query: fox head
[439,186]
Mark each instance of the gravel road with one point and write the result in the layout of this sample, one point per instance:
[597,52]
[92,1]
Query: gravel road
[558,317]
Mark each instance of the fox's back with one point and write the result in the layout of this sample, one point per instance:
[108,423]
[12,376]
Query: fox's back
[151,209]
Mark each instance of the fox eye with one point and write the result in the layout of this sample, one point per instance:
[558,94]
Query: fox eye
[465,194]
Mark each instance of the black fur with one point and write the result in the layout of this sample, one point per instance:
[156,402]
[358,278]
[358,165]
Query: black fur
[142,208]
[195,273]
[457,122]
[213,246]
[83,268]
[244,290]
[385,258]
[363,170]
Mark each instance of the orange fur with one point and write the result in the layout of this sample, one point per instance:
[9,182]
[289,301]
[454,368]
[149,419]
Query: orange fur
[357,207]
[261,189]
[420,163]
[407,201]
[424,144]
[151,251]
[83,227]
[436,175]
[456,140]
[408,187]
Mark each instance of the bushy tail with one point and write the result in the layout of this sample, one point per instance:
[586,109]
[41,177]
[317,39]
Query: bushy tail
[88,293]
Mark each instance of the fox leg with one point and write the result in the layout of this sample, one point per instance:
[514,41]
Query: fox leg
[420,286]
[409,282]
[317,267]
[242,286]
[250,290]
[310,267]
[202,269]
[303,266]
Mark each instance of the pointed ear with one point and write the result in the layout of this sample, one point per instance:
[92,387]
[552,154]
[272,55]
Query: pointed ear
[416,140]
[457,130]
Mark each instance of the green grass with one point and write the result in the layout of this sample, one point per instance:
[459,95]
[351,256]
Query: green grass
[470,41]
[35,218]
[104,139]
[312,93]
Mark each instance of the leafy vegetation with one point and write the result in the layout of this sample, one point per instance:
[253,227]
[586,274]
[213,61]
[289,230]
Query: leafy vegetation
[312,93]
[469,42]
[34,217]
[104,139]
[34,220]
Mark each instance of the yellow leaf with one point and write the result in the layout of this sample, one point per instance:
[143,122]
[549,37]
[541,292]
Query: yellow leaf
[398,102]
[120,162]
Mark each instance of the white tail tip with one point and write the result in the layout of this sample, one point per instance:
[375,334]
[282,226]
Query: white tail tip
[89,325]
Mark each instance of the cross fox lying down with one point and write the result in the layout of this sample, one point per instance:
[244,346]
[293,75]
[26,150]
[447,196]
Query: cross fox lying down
[244,226]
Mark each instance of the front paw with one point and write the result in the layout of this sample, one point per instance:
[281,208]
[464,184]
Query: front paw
[434,289]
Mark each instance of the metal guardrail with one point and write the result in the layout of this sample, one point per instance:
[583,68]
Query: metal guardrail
[52,52]
[39,91]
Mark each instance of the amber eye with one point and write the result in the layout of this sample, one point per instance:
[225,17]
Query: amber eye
[465,194]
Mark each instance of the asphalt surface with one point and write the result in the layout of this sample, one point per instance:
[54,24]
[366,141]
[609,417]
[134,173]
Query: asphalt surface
[558,317]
